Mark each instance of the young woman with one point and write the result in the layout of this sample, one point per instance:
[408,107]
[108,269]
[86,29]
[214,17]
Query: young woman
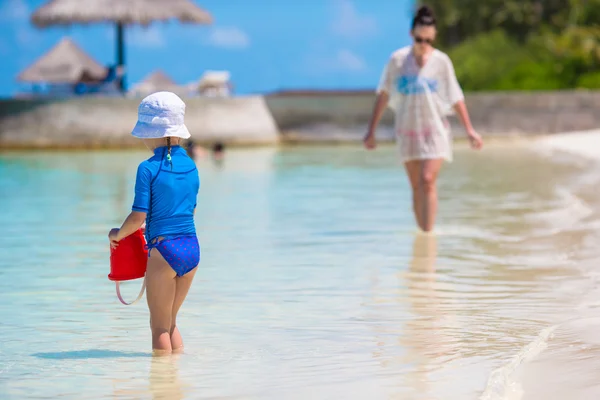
[419,84]
[166,188]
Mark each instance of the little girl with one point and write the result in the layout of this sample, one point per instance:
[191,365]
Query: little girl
[166,188]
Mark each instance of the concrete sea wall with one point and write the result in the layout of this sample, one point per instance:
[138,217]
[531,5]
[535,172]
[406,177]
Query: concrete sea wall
[344,116]
[305,117]
[107,122]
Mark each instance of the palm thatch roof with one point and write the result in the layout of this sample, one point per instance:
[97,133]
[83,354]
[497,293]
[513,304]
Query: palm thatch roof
[121,13]
[154,82]
[125,12]
[64,63]
[158,78]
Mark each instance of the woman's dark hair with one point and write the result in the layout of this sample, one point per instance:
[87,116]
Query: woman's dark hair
[424,16]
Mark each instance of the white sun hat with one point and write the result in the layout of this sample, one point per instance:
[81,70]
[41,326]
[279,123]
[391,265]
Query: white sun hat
[160,115]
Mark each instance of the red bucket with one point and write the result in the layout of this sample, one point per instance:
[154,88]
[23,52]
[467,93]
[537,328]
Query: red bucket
[129,261]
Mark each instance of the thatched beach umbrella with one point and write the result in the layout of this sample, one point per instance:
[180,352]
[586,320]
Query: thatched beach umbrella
[155,82]
[63,63]
[120,12]
[159,79]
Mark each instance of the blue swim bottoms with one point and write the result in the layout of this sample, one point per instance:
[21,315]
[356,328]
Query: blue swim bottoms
[182,253]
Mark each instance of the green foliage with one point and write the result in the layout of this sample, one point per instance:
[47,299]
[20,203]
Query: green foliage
[521,44]
[591,80]
[494,61]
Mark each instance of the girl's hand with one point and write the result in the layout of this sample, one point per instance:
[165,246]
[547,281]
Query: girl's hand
[475,140]
[112,237]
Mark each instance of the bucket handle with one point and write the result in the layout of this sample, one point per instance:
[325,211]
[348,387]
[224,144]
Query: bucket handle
[117,283]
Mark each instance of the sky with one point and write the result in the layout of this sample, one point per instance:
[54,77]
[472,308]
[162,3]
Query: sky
[267,45]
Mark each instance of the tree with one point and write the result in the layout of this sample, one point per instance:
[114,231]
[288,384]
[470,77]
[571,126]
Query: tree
[521,44]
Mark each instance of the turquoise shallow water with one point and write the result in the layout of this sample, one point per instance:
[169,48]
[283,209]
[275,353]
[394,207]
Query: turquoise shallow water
[313,282]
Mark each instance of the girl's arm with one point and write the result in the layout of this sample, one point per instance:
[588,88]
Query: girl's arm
[132,223]
[141,204]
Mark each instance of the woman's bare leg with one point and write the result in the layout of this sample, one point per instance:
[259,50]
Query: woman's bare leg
[183,285]
[428,188]
[160,295]
[413,171]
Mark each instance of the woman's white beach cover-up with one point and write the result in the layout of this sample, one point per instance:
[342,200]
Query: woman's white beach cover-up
[421,98]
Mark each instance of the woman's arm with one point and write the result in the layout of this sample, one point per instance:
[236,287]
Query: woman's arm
[461,109]
[381,103]
[457,98]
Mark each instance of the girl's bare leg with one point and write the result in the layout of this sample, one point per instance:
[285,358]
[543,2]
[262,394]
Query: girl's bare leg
[183,285]
[160,295]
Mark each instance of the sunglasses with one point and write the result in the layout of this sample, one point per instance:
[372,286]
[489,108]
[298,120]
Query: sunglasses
[419,39]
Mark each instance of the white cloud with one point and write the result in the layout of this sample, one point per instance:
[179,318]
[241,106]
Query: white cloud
[228,37]
[348,22]
[150,37]
[14,10]
[342,61]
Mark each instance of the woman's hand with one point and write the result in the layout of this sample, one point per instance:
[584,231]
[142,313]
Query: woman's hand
[113,237]
[475,140]
[369,141]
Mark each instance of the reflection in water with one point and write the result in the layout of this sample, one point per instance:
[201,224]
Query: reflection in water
[430,336]
[421,332]
[162,382]
[164,378]
[415,340]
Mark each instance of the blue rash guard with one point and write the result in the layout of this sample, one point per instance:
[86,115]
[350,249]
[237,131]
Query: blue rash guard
[167,192]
